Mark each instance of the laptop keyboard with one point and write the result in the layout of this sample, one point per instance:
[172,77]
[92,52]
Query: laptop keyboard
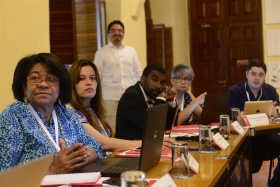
[122,165]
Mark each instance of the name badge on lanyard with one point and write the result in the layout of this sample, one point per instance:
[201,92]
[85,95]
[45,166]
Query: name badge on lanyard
[248,97]
[55,143]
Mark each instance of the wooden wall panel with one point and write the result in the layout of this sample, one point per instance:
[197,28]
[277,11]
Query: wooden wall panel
[163,49]
[168,53]
[150,41]
[73,29]
[86,28]
[62,30]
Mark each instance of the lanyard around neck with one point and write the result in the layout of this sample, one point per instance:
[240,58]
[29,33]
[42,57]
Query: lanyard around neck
[56,144]
[98,121]
[248,97]
[182,103]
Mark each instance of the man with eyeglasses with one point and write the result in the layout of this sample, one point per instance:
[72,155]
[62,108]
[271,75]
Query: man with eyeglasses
[255,89]
[119,68]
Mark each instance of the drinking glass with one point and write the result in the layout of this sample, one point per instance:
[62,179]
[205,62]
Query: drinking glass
[276,114]
[205,139]
[180,161]
[133,179]
[224,126]
[235,113]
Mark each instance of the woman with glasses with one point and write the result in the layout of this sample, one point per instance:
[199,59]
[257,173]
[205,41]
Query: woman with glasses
[38,123]
[189,106]
[87,102]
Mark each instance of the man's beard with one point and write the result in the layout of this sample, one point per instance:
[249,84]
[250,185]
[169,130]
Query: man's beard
[150,92]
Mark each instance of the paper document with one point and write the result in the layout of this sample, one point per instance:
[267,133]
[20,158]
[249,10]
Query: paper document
[71,179]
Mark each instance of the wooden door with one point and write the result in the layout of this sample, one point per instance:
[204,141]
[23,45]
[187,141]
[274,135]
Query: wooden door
[209,52]
[161,48]
[224,33]
[244,37]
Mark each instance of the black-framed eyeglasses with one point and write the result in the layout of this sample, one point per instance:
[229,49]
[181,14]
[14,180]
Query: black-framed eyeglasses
[180,79]
[36,79]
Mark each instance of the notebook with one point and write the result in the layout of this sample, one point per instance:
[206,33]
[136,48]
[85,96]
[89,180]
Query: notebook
[151,148]
[214,105]
[73,179]
[254,107]
[29,174]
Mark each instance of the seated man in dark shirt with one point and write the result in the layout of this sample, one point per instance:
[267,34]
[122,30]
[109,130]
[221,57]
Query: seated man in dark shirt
[255,89]
[134,103]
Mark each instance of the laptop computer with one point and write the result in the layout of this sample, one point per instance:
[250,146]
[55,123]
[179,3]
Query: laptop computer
[151,148]
[254,107]
[214,105]
[175,120]
[29,174]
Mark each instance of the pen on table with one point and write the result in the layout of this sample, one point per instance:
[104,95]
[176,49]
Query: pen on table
[193,148]
[197,149]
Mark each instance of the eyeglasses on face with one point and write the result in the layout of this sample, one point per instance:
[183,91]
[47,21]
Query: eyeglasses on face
[116,30]
[36,79]
[180,79]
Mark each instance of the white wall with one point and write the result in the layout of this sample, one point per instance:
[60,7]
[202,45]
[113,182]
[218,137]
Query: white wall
[173,13]
[265,28]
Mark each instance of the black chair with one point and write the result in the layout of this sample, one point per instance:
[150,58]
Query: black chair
[271,164]
[270,158]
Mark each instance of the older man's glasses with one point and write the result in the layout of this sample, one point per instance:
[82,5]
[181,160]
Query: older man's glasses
[181,79]
[36,79]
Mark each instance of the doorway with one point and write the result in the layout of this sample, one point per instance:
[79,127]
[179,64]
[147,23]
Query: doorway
[224,36]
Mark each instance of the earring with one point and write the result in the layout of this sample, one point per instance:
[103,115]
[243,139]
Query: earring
[25,100]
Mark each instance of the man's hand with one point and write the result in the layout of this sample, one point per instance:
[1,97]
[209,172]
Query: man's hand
[167,93]
[68,160]
[167,143]
[200,98]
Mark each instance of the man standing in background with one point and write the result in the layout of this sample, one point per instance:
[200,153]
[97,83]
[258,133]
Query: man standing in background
[119,68]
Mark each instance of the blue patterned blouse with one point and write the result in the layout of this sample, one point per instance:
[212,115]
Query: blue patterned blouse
[83,119]
[188,100]
[21,139]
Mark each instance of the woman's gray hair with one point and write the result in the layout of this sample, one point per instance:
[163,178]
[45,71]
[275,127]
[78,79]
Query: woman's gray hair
[181,68]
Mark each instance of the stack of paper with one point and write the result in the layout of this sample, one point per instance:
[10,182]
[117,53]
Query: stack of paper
[73,179]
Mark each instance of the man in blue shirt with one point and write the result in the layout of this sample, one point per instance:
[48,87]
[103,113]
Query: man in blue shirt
[255,89]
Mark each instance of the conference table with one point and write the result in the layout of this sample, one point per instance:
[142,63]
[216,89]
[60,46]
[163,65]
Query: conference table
[215,169]
[229,167]
[264,129]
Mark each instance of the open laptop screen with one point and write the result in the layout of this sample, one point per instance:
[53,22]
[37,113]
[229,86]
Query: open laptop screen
[254,107]
[214,105]
[153,136]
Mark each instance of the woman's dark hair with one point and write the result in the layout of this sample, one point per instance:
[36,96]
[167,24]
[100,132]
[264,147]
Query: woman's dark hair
[56,67]
[96,103]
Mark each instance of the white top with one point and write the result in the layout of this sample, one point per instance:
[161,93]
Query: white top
[118,69]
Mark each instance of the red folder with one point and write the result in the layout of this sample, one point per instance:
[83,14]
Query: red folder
[165,153]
